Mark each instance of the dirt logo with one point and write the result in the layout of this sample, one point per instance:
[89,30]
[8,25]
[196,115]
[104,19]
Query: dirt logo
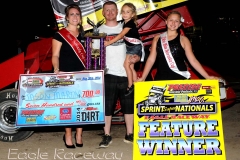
[49,117]
[32,82]
[155,96]
[158,101]
[90,109]
[26,113]
[65,113]
[81,102]
[183,88]
[31,120]
[56,81]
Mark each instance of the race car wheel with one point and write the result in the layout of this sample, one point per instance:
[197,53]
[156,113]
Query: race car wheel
[159,101]
[8,109]
[146,103]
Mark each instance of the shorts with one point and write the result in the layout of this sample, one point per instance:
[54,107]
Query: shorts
[115,88]
[135,49]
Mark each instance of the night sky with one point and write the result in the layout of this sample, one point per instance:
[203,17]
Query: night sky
[33,16]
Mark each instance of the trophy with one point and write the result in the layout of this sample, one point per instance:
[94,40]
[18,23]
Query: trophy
[95,57]
[95,26]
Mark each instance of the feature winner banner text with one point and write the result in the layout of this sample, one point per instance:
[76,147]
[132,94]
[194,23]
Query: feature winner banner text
[75,98]
[178,120]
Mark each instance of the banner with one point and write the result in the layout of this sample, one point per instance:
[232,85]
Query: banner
[71,98]
[178,119]
[93,9]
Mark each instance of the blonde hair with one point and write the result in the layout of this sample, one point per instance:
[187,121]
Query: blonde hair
[134,11]
[174,12]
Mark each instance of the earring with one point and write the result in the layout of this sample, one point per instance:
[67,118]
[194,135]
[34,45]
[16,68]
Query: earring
[78,26]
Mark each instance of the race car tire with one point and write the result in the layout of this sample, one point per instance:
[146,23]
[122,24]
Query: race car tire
[159,101]
[146,103]
[8,108]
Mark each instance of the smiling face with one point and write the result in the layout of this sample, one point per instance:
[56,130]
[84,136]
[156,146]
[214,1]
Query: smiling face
[110,12]
[127,13]
[73,17]
[173,21]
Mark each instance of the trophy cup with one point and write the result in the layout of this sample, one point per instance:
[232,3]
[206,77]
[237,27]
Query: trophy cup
[95,57]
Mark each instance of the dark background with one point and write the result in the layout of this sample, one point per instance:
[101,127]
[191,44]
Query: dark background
[215,45]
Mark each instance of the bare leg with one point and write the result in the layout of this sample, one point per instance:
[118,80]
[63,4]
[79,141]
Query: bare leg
[133,72]
[68,136]
[128,70]
[107,127]
[79,135]
[129,123]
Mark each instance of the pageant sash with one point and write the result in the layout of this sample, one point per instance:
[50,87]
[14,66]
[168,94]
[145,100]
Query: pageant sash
[75,44]
[136,41]
[170,60]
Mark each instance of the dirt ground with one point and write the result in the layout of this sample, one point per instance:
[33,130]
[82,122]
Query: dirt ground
[46,143]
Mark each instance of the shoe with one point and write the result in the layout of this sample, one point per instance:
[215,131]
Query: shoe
[78,144]
[106,141]
[129,90]
[128,138]
[68,146]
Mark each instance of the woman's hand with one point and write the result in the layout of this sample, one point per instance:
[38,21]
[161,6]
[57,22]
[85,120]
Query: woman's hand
[56,70]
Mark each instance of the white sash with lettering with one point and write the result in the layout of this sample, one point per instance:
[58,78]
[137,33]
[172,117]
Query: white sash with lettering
[170,60]
[136,41]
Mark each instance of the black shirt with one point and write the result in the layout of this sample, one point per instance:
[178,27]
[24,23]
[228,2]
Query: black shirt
[68,60]
[133,32]
[178,53]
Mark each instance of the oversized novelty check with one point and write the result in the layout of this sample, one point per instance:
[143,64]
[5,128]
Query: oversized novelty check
[71,98]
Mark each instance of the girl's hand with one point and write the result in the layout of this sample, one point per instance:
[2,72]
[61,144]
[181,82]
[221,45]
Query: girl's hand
[106,43]
[140,79]
[134,58]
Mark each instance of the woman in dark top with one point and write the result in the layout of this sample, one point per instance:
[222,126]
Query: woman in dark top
[177,51]
[170,50]
[66,58]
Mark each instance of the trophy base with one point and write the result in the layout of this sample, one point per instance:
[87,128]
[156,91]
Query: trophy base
[96,68]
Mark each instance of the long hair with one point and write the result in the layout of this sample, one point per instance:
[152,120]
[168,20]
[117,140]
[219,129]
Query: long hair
[174,12]
[67,9]
[134,11]
[177,13]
